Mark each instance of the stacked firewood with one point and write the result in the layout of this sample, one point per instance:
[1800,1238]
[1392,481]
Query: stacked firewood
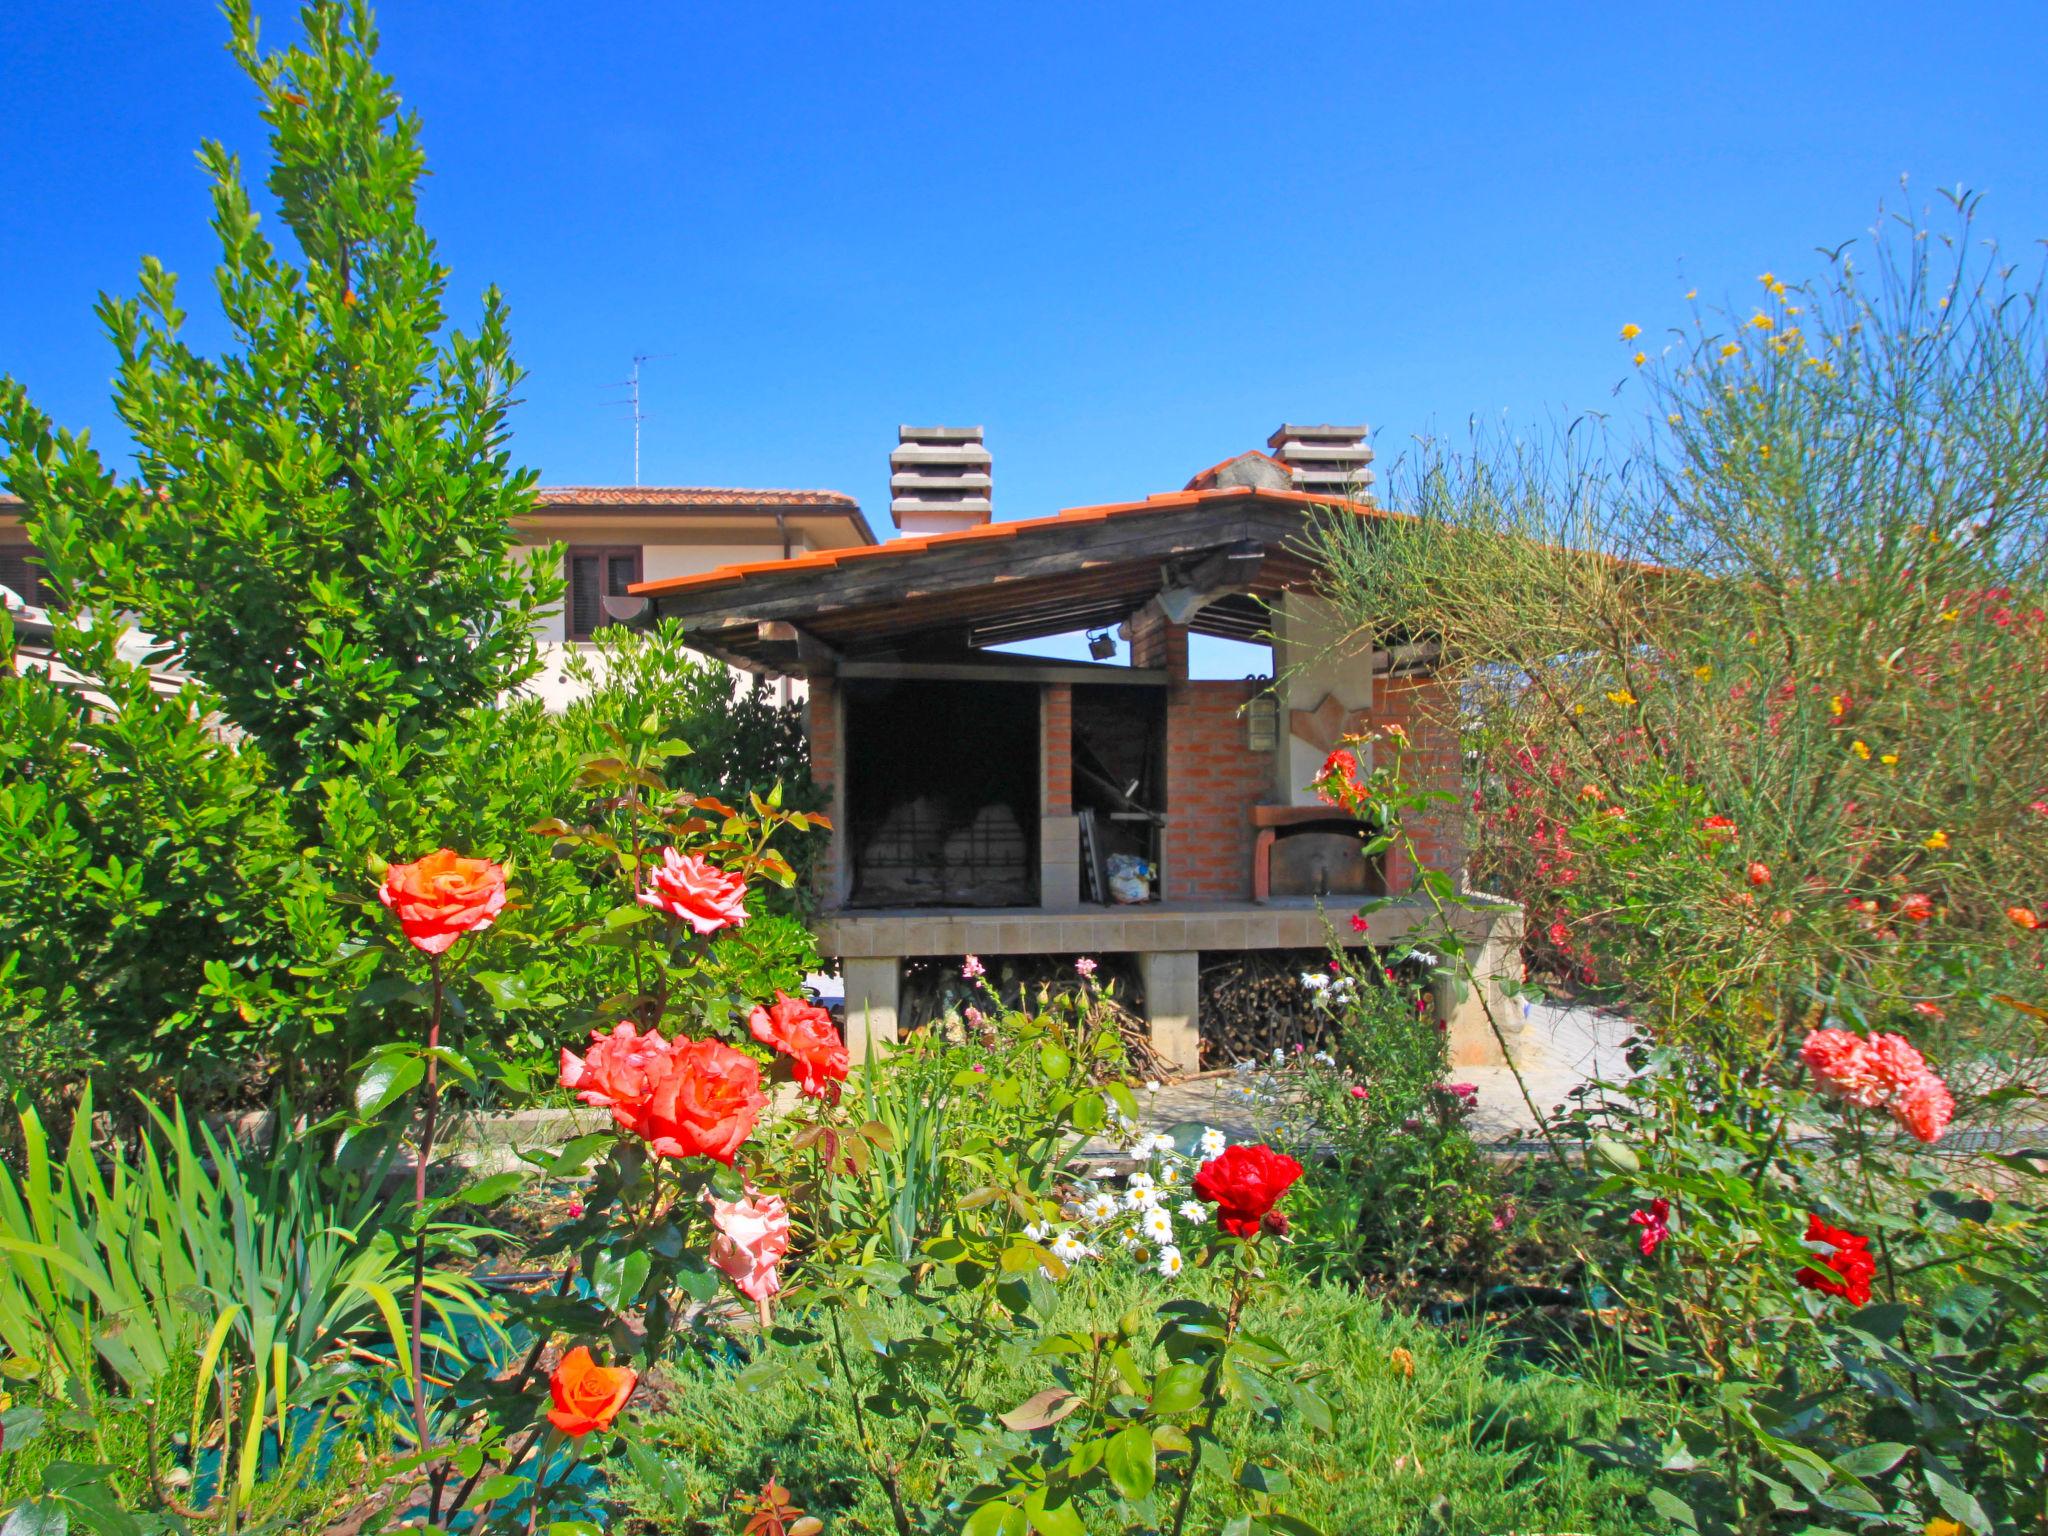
[1255,1003]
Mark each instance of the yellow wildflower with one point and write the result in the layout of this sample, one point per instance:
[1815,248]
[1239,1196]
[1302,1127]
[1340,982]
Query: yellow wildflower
[1765,278]
[1703,671]
[1838,706]
[1861,748]
[1578,709]
[1729,349]
[1402,1361]
[1890,759]
[1692,293]
[1764,451]
[1950,615]
[1936,840]
[1641,358]
[1631,331]
[1620,696]
[1941,1525]
[1672,418]
[1761,321]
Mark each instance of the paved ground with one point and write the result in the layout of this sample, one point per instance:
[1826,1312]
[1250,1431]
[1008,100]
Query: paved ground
[1560,1048]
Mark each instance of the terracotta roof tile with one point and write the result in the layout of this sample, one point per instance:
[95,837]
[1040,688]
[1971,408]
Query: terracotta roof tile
[686,496]
[1165,501]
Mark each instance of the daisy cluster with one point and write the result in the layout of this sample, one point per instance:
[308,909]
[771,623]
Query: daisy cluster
[1139,1214]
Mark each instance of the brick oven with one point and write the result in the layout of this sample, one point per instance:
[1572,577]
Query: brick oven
[992,802]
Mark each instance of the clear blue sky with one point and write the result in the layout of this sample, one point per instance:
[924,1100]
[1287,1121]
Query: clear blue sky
[1130,240]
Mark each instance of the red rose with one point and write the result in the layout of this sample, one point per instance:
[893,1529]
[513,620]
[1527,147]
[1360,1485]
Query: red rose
[1244,1183]
[1846,1271]
[696,891]
[803,1032]
[588,1396]
[620,1072]
[706,1104]
[441,897]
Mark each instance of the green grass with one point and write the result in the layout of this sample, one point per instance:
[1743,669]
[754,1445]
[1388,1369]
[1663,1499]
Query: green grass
[1474,1442]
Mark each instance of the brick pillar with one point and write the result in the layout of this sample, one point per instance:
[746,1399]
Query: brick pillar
[1157,643]
[1056,779]
[1422,707]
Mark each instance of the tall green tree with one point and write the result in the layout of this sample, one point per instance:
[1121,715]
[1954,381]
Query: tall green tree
[318,526]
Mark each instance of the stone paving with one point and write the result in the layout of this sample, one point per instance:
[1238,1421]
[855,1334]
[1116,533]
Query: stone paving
[1560,1048]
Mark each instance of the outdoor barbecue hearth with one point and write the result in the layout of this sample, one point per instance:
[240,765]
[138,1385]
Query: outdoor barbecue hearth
[1312,851]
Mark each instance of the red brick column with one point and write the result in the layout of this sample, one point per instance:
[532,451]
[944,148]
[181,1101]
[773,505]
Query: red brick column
[1213,779]
[1422,707]
[1056,777]
[1157,643]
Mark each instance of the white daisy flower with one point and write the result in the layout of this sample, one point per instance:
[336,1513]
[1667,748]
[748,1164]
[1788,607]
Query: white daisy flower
[1100,1207]
[1141,1180]
[1068,1248]
[1151,1087]
[1142,1198]
[1169,1262]
[1169,1175]
[1157,1225]
[1038,1231]
[1213,1143]
[1193,1212]
[1105,1172]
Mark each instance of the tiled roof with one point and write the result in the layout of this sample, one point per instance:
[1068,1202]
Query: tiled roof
[686,496]
[1167,501]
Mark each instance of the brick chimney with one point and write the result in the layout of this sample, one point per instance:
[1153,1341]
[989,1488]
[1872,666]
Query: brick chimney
[1325,461]
[939,480]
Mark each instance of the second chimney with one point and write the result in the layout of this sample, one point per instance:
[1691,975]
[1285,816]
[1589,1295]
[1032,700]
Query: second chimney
[1326,461]
[939,480]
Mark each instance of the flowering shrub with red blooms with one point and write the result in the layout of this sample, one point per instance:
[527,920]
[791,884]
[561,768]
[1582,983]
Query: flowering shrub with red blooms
[587,1396]
[441,897]
[1655,1223]
[1884,1072]
[1244,1183]
[691,889]
[1845,1270]
[804,1035]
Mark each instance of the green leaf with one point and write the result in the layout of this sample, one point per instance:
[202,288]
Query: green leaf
[617,1277]
[38,1517]
[1178,1389]
[1130,1462]
[389,1078]
[995,1519]
[1871,1460]
[1060,1519]
[1956,1500]
[1054,1062]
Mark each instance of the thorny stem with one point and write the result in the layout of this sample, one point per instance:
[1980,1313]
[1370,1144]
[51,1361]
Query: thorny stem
[1240,1292]
[518,1385]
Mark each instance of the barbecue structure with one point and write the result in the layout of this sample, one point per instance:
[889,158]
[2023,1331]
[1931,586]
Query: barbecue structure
[996,803]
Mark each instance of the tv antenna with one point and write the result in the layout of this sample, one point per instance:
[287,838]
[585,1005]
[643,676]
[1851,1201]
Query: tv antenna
[631,383]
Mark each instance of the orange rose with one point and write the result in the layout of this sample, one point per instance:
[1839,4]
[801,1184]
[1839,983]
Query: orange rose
[588,1396]
[2023,917]
[441,897]
[693,889]
[706,1103]
[803,1032]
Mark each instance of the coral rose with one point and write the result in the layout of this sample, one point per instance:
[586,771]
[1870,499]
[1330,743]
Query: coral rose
[441,897]
[753,1237]
[706,1103]
[620,1072]
[803,1033]
[588,1396]
[1244,1183]
[2023,917]
[694,890]
[1883,1072]
[1340,769]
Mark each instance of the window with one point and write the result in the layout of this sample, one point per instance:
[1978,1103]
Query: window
[596,573]
[21,573]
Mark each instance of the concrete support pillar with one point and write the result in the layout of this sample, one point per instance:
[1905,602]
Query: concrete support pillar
[871,992]
[1059,863]
[1484,1005]
[1173,986]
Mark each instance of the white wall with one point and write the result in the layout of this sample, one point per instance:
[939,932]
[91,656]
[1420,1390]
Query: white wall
[1308,668]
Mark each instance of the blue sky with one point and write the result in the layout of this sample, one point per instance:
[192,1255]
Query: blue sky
[1129,239]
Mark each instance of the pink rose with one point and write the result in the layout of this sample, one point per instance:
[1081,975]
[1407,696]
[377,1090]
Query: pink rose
[753,1237]
[696,891]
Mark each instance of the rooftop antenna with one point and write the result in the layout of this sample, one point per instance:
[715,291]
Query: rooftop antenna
[632,383]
